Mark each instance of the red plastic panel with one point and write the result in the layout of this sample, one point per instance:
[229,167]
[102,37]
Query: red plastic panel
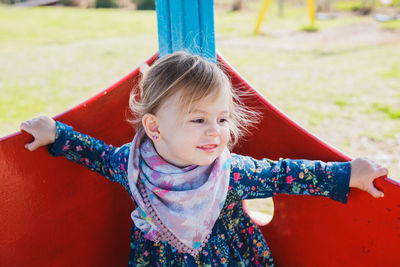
[57,213]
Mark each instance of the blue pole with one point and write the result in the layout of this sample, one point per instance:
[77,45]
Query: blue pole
[186,25]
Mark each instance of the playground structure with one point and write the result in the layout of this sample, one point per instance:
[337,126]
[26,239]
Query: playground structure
[47,204]
[367,6]
[266,4]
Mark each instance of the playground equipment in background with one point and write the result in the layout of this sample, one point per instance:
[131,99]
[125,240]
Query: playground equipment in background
[46,204]
[267,3]
[324,11]
[387,11]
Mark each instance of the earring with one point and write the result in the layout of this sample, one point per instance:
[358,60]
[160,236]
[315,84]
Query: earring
[155,137]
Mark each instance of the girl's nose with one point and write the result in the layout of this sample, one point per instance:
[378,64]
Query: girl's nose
[213,130]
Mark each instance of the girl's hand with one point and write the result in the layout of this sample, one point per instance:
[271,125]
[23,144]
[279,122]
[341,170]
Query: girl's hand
[363,173]
[43,130]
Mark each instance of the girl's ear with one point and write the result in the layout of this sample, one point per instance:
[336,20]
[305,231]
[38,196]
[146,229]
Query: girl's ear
[151,127]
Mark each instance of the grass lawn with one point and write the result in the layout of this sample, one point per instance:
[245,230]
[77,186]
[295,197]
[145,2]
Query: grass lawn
[342,82]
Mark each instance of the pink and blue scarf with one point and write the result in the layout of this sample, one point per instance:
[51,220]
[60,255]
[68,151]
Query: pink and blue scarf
[177,205]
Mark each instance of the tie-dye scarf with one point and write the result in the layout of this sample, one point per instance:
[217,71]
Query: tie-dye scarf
[177,205]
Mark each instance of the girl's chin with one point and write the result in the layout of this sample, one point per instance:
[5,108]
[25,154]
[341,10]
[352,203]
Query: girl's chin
[206,162]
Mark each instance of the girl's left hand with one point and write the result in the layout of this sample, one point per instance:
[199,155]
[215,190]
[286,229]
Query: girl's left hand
[363,173]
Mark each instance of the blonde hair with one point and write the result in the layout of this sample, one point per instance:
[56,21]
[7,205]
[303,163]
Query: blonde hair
[196,78]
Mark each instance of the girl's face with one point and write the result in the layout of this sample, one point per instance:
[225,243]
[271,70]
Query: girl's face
[198,137]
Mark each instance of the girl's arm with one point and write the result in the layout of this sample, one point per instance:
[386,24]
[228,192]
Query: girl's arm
[265,178]
[61,139]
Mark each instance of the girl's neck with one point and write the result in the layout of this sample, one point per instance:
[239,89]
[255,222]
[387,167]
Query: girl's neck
[158,149]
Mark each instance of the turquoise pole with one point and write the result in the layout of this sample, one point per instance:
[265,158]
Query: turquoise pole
[186,25]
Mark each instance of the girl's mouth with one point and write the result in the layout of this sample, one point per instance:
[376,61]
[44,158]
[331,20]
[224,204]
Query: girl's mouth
[208,148]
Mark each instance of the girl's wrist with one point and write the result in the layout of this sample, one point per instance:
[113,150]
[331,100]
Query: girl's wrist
[53,129]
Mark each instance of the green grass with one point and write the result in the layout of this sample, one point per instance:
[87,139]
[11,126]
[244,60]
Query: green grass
[309,28]
[49,57]
[44,26]
[342,102]
[391,25]
[393,72]
[348,5]
[393,113]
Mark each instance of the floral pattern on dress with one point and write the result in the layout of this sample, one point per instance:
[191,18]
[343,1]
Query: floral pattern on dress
[235,240]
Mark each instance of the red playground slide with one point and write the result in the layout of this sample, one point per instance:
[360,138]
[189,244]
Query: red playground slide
[57,213]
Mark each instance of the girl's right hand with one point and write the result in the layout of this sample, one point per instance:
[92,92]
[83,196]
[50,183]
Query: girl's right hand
[43,130]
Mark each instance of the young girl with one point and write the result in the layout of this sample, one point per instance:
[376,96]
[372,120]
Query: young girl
[186,185]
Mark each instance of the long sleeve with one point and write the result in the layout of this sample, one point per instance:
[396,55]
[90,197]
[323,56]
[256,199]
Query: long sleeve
[264,178]
[94,154]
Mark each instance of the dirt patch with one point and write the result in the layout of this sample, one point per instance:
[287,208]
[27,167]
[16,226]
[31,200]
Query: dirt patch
[352,35]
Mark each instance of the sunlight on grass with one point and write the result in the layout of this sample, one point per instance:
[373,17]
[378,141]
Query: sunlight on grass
[49,57]
[348,5]
[393,72]
[309,28]
[391,25]
[341,102]
[21,28]
[393,113]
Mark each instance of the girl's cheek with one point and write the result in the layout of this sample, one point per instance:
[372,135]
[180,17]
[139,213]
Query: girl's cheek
[193,132]
[226,135]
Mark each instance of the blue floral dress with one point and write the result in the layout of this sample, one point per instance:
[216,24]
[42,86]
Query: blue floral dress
[235,239]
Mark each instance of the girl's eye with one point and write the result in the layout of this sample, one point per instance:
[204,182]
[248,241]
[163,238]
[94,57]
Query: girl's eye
[197,121]
[223,120]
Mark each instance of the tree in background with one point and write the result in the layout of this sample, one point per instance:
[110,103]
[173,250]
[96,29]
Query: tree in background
[237,5]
